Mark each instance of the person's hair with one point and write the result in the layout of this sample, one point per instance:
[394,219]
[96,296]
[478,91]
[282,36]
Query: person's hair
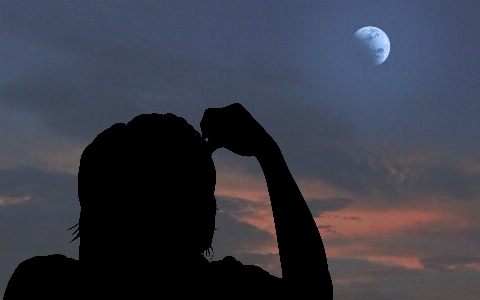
[163,164]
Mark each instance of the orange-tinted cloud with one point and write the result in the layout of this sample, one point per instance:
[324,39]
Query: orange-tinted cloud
[239,185]
[406,262]
[371,218]
[354,222]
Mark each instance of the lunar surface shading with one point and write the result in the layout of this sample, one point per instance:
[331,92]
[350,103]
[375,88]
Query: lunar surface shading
[375,42]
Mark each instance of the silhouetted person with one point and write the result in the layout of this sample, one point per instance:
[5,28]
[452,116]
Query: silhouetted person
[148,209]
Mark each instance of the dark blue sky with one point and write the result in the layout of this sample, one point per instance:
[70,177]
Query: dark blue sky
[387,157]
[424,93]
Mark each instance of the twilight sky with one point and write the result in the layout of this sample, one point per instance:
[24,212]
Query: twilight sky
[387,157]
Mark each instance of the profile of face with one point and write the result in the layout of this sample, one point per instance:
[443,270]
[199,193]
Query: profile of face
[146,190]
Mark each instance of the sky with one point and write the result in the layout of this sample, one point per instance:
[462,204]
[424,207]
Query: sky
[387,157]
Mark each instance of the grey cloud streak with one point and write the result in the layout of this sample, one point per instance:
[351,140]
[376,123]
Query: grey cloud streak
[445,262]
[366,280]
[318,207]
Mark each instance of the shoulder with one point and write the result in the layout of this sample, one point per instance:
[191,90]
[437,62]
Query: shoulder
[46,265]
[43,275]
[231,273]
[229,263]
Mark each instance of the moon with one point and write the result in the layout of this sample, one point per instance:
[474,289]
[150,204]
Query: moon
[375,42]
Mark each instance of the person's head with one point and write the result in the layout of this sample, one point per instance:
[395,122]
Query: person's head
[146,188]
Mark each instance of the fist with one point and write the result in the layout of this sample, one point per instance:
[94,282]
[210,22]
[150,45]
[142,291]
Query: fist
[233,127]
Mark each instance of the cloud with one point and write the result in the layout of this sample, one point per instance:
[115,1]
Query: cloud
[235,237]
[241,207]
[318,207]
[27,142]
[453,181]
[361,279]
[117,72]
[114,74]
[39,186]
[328,228]
[450,262]
[4,201]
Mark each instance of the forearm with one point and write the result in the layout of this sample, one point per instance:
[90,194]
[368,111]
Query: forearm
[301,250]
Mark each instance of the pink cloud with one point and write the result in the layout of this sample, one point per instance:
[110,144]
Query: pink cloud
[369,222]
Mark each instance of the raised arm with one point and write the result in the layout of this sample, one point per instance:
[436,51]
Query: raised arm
[302,255]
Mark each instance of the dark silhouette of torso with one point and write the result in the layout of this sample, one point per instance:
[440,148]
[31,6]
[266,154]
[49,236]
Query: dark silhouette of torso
[146,192]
